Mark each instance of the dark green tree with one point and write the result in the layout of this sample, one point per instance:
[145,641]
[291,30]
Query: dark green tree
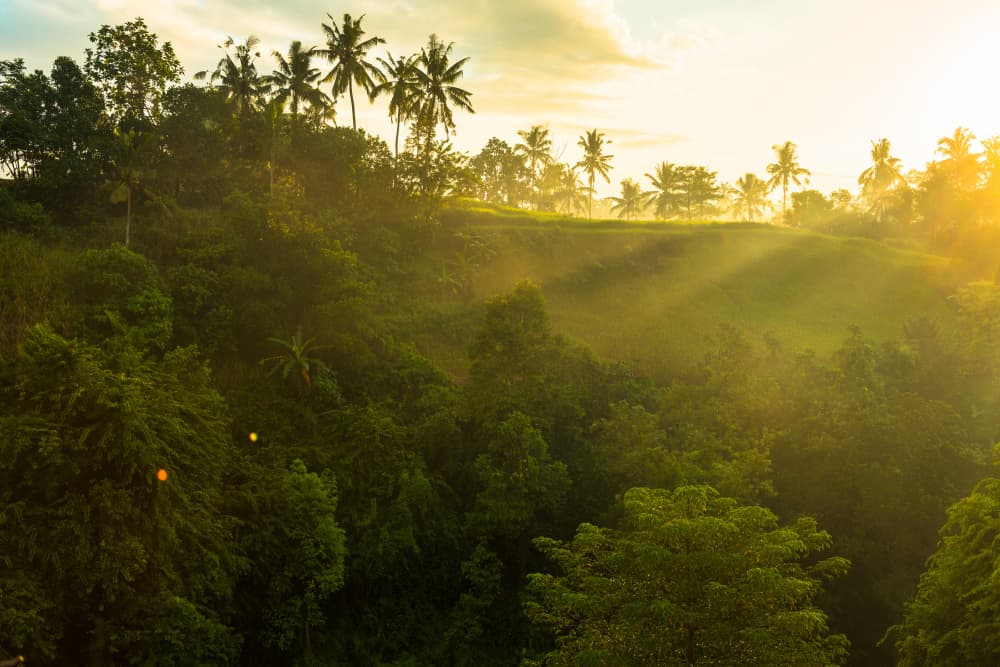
[952,620]
[691,578]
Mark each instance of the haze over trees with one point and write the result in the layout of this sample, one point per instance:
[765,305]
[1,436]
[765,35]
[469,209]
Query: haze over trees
[276,393]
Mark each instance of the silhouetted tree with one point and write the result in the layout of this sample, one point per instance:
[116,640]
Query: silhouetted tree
[785,169]
[594,161]
[346,50]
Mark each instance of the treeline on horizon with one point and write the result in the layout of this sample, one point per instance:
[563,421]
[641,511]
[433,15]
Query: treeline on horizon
[329,496]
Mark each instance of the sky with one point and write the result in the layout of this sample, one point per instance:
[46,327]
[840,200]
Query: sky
[706,82]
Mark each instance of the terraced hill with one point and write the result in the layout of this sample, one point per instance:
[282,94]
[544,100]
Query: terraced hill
[651,293]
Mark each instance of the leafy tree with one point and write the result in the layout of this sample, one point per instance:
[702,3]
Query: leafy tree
[132,72]
[436,77]
[952,619]
[117,296]
[52,133]
[536,150]
[785,169]
[193,164]
[699,191]
[750,198]
[243,86]
[397,79]
[297,554]
[500,174]
[594,161]
[631,203]
[293,82]
[691,578]
[120,562]
[666,193]
[346,50]
[810,208]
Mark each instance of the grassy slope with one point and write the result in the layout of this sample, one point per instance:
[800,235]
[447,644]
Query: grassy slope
[651,293]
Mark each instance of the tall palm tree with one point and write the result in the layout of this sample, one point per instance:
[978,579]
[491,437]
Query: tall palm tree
[786,169]
[239,79]
[294,81]
[436,78]
[346,50]
[631,202]
[666,194]
[959,159]
[878,180]
[750,196]
[536,151]
[397,79]
[595,161]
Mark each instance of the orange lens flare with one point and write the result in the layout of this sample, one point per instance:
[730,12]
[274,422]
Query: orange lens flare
[161,475]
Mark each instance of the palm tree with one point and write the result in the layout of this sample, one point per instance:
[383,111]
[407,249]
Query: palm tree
[536,151]
[293,82]
[878,180]
[239,79]
[570,193]
[436,76]
[594,162]
[750,196]
[959,159]
[631,202]
[666,193]
[346,50]
[397,79]
[784,170]
[127,152]
[295,359]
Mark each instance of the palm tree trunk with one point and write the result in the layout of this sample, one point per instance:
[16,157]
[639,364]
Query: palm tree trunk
[784,199]
[590,199]
[128,213]
[399,121]
[350,91]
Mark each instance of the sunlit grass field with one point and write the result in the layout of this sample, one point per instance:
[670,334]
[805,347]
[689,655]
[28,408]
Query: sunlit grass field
[651,293]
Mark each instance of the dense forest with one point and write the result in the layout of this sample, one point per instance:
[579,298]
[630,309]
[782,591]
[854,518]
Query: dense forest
[276,392]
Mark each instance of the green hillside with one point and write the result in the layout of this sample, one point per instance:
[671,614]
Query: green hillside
[650,293]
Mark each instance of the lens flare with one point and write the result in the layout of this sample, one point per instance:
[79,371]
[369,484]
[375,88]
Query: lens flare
[252,437]
[161,475]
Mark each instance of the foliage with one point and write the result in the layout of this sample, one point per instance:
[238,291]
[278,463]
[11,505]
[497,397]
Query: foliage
[951,621]
[786,169]
[132,72]
[346,51]
[631,203]
[691,578]
[750,198]
[594,161]
[109,553]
